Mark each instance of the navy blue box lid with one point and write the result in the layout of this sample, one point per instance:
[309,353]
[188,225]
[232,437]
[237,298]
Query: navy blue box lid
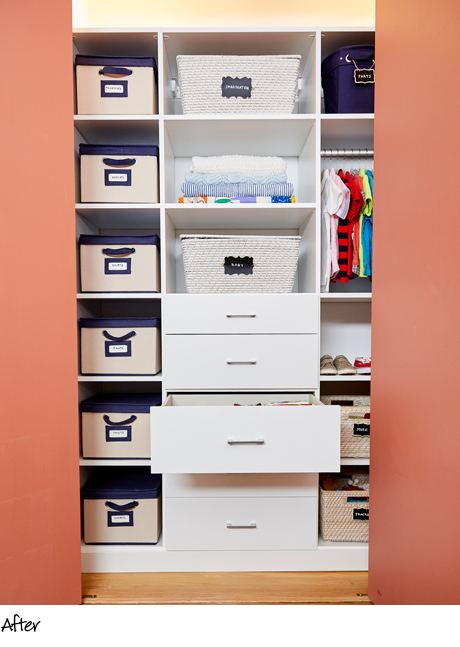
[338,58]
[122,483]
[125,322]
[121,402]
[94,239]
[114,61]
[127,149]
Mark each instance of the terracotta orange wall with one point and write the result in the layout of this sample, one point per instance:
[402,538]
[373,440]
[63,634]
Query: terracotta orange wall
[415,445]
[39,492]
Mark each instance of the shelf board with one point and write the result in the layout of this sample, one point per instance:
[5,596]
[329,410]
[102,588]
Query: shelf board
[354,115]
[345,378]
[120,548]
[118,129]
[354,461]
[132,296]
[120,378]
[110,462]
[342,545]
[237,216]
[350,297]
[120,216]
[111,41]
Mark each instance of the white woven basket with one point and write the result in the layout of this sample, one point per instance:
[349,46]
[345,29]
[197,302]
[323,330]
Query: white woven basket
[352,443]
[347,400]
[336,514]
[273,81]
[274,260]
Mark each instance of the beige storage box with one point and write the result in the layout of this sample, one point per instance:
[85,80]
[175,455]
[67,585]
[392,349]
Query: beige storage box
[241,84]
[119,173]
[121,346]
[117,425]
[344,515]
[114,85]
[122,506]
[355,428]
[120,263]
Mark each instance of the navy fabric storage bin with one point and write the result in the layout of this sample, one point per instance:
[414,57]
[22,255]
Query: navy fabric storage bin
[120,263]
[341,93]
[116,85]
[122,506]
[117,425]
[120,346]
[127,173]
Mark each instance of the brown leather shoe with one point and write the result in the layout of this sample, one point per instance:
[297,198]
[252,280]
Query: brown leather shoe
[326,366]
[343,366]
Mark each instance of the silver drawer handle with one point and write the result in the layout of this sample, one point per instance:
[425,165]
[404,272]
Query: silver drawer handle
[251,362]
[259,441]
[251,525]
[241,316]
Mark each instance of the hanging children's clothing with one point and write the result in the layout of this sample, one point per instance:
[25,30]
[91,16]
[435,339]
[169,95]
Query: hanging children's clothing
[331,200]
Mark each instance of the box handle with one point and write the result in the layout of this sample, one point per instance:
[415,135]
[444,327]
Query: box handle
[129,161]
[259,441]
[251,316]
[115,72]
[115,253]
[128,335]
[355,499]
[232,363]
[122,508]
[250,525]
[119,424]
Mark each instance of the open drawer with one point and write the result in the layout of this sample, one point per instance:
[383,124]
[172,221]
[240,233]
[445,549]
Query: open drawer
[208,434]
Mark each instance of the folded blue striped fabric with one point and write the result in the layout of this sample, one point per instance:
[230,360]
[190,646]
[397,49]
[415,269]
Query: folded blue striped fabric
[234,178]
[237,190]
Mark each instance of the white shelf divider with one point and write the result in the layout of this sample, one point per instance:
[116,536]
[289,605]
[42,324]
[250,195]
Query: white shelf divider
[120,378]
[129,296]
[345,378]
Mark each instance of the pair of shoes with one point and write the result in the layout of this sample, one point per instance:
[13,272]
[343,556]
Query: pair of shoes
[363,365]
[339,366]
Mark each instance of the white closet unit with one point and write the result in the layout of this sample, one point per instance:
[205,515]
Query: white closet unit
[240,484]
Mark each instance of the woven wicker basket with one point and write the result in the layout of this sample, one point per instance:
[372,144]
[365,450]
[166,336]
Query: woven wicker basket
[273,81]
[274,260]
[347,400]
[353,426]
[339,518]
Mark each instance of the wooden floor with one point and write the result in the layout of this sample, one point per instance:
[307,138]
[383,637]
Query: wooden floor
[225,588]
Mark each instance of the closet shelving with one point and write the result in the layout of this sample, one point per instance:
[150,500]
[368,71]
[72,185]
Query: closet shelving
[298,138]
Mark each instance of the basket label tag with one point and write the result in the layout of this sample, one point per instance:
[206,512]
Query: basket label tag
[360,429]
[360,514]
[114,88]
[117,178]
[118,434]
[117,267]
[117,519]
[236,87]
[239,265]
[364,77]
[115,349]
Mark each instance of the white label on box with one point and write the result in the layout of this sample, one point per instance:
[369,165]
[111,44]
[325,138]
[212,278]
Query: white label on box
[118,266]
[118,177]
[118,433]
[118,349]
[114,89]
[120,518]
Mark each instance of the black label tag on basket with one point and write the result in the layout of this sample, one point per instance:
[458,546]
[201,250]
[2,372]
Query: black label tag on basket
[360,514]
[236,87]
[343,403]
[238,265]
[364,76]
[360,429]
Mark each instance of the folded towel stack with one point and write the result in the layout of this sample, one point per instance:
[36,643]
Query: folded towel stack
[237,178]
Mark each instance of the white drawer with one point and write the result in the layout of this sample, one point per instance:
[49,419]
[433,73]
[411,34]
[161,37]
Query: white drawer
[265,524]
[207,434]
[238,362]
[240,485]
[240,313]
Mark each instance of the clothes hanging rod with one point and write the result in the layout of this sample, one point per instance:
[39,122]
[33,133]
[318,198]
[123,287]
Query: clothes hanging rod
[362,152]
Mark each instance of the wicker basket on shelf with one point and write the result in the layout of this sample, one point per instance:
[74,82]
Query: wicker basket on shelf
[273,82]
[225,264]
[347,400]
[344,516]
[354,432]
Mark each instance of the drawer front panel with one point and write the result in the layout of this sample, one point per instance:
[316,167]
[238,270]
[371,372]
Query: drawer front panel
[241,440]
[240,485]
[265,524]
[238,362]
[240,313]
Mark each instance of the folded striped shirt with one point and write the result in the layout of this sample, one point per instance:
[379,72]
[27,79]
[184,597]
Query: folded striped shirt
[243,200]
[237,190]
[234,178]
